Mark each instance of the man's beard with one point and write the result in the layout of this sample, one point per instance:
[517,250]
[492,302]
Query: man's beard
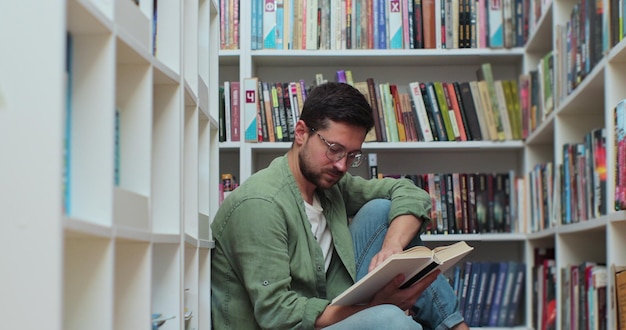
[313,176]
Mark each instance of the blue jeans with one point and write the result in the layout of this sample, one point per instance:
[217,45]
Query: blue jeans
[436,309]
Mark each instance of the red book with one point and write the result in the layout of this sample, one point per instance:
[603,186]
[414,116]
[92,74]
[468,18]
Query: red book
[235,134]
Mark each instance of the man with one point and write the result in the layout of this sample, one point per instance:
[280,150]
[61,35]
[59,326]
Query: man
[284,246]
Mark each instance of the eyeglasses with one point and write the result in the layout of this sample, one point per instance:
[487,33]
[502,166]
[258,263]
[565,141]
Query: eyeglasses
[337,152]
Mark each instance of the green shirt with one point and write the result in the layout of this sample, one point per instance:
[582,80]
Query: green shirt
[267,267]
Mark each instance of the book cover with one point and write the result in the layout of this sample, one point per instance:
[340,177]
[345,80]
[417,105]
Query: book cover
[434,117]
[469,109]
[263,128]
[279,133]
[472,292]
[496,304]
[446,114]
[481,294]
[503,109]
[227,110]
[363,87]
[282,112]
[251,119]
[507,293]
[288,109]
[455,107]
[517,298]
[269,24]
[389,113]
[420,111]
[235,110]
[397,108]
[620,295]
[495,23]
[221,116]
[418,22]
[394,23]
[415,263]
[490,98]
[371,86]
[429,28]
[490,295]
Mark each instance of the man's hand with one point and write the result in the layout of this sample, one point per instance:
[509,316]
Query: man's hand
[403,298]
[401,231]
[383,254]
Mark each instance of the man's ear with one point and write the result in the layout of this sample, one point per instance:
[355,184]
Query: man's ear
[300,131]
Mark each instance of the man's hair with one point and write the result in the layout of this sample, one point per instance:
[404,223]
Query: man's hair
[337,102]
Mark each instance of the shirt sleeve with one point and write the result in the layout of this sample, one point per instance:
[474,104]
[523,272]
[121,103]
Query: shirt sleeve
[405,196]
[257,243]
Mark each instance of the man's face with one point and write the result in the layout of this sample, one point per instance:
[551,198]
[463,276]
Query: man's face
[316,166]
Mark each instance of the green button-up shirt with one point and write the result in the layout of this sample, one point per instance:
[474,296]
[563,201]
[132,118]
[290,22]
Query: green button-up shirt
[267,267]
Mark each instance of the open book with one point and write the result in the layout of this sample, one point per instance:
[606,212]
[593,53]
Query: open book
[415,263]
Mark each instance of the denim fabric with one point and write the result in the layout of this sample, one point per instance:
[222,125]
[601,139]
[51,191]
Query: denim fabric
[381,317]
[437,308]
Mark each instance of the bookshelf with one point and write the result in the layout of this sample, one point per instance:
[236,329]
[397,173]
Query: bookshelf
[130,238]
[588,106]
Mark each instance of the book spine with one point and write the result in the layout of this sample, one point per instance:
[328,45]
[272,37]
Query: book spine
[235,111]
[269,24]
[394,24]
[446,115]
[420,110]
[251,120]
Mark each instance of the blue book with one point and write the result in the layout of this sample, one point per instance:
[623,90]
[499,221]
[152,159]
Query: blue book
[494,311]
[68,126]
[516,298]
[280,30]
[467,272]
[472,292]
[254,25]
[507,293]
[494,269]
[381,22]
[481,293]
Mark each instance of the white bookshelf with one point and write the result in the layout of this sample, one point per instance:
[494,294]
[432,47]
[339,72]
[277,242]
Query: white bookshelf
[588,107]
[121,251]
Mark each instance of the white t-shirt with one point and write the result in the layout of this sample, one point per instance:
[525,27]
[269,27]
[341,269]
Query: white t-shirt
[319,229]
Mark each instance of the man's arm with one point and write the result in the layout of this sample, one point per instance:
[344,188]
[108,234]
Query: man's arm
[401,231]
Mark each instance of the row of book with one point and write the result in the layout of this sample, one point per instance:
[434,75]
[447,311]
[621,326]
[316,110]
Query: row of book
[619,115]
[229,24]
[537,94]
[386,24]
[575,190]
[469,203]
[484,109]
[491,294]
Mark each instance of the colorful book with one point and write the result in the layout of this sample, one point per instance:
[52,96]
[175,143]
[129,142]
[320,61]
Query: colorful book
[420,111]
[269,25]
[251,109]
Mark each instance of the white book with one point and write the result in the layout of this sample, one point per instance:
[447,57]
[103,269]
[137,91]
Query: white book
[251,109]
[227,108]
[420,109]
[311,24]
[269,25]
[395,24]
[495,22]
[415,263]
[438,20]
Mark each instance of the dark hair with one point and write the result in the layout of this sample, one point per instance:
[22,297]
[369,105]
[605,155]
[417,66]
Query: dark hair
[336,102]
